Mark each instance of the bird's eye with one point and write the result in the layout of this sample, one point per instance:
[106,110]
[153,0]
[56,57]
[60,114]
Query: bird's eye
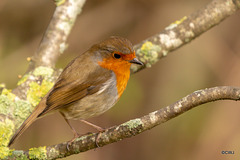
[117,56]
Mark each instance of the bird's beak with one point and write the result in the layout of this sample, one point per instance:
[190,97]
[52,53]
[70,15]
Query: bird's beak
[136,61]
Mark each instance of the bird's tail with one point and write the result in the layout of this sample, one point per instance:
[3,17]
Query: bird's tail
[32,117]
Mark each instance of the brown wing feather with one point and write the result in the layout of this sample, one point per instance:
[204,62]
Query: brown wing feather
[73,86]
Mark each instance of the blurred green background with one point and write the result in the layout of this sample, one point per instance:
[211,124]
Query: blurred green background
[210,60]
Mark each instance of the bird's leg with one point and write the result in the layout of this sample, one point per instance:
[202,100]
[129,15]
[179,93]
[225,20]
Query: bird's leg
[100,129]
[75,134]
[73,130]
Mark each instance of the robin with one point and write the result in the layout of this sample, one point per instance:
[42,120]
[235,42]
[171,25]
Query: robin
[89,85]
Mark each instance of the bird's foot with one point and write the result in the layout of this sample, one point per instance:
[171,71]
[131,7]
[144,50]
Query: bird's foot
[69,143]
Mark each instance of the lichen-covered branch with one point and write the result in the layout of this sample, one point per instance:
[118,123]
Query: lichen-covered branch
[54,40]
[135,126]
[183,31]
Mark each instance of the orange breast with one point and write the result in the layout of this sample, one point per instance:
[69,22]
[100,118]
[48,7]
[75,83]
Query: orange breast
[121,69]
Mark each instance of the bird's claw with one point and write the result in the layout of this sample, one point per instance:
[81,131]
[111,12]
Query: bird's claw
[76,135]
[98,136]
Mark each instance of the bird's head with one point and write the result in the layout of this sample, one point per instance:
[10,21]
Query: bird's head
[117,54]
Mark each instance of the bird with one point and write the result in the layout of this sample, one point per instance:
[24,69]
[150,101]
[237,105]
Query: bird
[89,85]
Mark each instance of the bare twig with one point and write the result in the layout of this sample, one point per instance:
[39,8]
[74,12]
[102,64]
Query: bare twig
[54,40]
[183,31]
[139,125]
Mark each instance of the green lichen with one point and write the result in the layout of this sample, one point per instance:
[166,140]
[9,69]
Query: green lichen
[164,53]
[82,138]
[4,152]
[8,93]
[22,157]
[22,111]
[176,23]
[36,91]
[43,71]
[34,94]
[39,153]
[18,155]
[181,20]
[6,128]
[22,108]
[53,152]
[2,85]
[5,102]
[132,124]
[149,53]
[23,79]
[59,2]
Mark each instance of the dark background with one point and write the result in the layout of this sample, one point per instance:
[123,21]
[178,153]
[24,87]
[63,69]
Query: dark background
[210,60]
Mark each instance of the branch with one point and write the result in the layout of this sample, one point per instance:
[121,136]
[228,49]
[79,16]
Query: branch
[138,125]
[54,41]
[183,31]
